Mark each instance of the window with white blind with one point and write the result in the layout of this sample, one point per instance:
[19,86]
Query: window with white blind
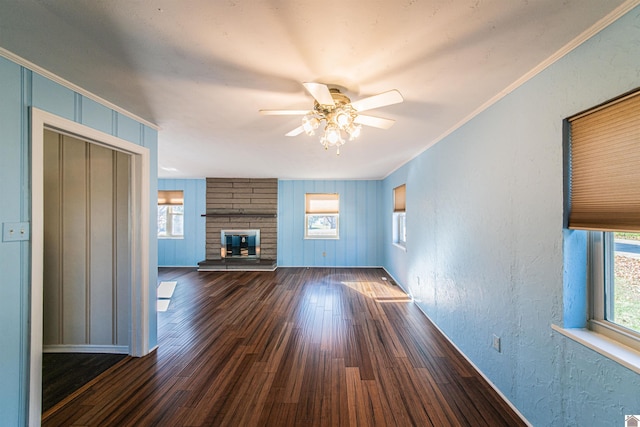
[170,214]
[322,216]
[604,198]
[399,216]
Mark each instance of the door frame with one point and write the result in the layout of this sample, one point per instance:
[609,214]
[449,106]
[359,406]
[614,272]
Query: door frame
[140,222]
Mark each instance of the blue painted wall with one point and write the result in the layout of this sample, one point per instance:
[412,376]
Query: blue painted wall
[486,250]
[360,231]
[187,252]
[20,89]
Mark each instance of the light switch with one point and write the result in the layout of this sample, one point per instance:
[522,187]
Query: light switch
[15,231]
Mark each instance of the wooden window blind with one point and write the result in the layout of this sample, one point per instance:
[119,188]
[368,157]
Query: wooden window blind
[170,197]
[322,203]
[400,198]
[604,170]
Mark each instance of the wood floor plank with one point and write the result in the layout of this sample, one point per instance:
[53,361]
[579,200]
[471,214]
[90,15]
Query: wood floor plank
[293,347]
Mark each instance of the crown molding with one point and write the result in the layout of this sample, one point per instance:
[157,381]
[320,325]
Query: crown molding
[53,77]
[600,25]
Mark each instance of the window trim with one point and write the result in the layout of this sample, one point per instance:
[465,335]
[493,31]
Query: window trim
[614,350]
[399,211]
[600,335]
[171,199]
[600,255]
[397,241]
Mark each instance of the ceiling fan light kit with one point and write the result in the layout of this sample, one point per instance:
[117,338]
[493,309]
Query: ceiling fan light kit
[340,116]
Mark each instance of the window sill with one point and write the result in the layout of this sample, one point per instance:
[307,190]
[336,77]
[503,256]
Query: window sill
[626,356]
[399,246]
[170,237]
[321,238]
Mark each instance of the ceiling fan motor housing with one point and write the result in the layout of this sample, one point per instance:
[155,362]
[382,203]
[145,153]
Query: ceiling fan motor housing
[342,104]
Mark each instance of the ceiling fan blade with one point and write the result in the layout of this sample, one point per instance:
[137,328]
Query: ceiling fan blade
[380,100]
[376,122]
[297,131]
[283,112]
[320,93]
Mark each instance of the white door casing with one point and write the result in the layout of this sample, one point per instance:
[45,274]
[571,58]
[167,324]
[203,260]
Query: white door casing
[140,215]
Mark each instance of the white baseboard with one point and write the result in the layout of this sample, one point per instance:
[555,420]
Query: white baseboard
[399,284]
[82,348]
[491,384]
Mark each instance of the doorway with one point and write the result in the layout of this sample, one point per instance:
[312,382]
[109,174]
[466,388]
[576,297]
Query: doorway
[87,266]
[134,254]
[87,271]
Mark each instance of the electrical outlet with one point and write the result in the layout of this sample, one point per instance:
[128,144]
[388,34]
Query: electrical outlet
[324,254]
[496,343]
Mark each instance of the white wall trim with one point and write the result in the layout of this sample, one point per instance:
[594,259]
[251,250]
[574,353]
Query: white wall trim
[49,75]
[491,384]
[398,283]
[600,25]
[614,350]
[108,349]
[140,182]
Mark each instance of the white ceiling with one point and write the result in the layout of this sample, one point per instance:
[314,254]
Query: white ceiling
[201,69]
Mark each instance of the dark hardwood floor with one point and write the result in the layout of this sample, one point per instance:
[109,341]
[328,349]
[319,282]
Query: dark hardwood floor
[65,373]
[294,347]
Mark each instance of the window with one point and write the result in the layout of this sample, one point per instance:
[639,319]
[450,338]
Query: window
[604,198]
[399,216]
[170,214]
[322,214]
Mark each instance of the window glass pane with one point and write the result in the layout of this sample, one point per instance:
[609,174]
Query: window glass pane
[177,221]
[402,228]
[162,220]
[399,228]
[322,225]
[624,293]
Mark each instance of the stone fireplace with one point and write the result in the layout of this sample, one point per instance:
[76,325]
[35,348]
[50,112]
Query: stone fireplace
[241,223]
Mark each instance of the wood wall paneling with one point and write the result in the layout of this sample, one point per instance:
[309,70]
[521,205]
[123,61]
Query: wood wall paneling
[360,233]
[101,244]
[122,240]
[87,268]
[21,89]
[74,242]
[190,250]
[52,291]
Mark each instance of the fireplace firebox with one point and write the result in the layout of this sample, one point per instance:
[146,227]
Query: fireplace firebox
[240,244]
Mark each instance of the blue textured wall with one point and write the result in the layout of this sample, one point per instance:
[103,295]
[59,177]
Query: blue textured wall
[19,90]
[187,252]
[486,251]
[360,231]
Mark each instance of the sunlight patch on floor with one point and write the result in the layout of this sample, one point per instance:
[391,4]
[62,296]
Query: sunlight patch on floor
[163,305]
[383,292]
[165,292]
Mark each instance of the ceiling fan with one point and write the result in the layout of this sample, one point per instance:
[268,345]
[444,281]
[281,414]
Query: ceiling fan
[339,114]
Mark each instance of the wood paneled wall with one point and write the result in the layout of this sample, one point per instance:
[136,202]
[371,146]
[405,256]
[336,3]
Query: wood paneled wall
[190,250]
[237,199]
[361,227]
[87,271]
